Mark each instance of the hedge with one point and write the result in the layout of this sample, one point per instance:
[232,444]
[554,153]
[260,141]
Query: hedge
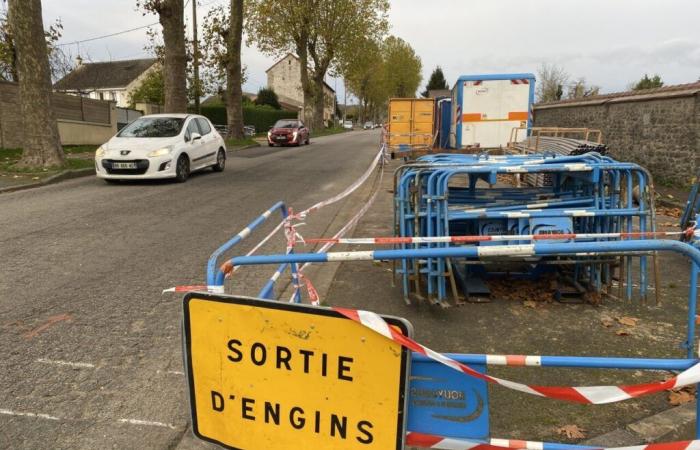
[261,118]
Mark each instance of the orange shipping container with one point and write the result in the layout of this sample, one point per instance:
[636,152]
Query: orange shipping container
[411,122]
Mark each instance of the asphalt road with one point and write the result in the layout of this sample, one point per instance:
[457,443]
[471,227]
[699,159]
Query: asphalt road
[91,350]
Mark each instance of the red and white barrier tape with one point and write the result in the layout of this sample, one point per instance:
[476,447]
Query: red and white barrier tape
[196,287]
[507,237]
[582,394]
[313,294]
[439,442]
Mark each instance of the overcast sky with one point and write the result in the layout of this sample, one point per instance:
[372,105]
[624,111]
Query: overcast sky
[609,42]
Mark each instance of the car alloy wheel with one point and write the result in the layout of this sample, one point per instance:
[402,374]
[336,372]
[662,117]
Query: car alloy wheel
[182,169]
[220,161]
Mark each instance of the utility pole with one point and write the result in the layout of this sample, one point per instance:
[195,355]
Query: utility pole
[195,62]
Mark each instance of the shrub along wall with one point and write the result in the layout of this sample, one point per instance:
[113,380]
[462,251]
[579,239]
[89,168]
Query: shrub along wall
[261,118]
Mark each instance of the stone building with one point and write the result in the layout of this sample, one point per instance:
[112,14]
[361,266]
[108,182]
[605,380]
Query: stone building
[284,77]
[113,80]
[656,128]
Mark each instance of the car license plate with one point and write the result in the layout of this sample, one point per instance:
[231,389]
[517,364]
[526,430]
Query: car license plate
[123,165]
[281,138]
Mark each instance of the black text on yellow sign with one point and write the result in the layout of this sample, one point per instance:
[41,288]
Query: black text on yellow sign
[270,375]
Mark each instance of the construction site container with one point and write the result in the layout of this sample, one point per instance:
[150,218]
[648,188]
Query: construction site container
[411,122]
[485,108]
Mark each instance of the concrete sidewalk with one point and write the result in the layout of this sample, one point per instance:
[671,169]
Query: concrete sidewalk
[511,326]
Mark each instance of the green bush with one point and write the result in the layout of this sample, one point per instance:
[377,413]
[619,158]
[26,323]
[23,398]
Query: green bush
[261,118]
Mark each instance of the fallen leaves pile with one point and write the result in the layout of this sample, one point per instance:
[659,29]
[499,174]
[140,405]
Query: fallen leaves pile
[530,292]
[669,212]
[571,432]
[626,323]
[680,396]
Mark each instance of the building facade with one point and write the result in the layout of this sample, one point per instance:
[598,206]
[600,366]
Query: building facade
[284,77]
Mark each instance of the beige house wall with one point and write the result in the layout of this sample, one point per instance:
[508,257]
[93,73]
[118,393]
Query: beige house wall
[74,132]
[285,79]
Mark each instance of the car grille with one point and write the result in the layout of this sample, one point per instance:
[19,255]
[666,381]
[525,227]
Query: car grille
[141,167]
[284,137]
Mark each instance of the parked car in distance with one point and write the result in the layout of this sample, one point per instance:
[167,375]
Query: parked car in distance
[288,132]
[161,146]
[368,125]
[347,124]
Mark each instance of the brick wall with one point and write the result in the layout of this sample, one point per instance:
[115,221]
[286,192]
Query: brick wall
[659,130]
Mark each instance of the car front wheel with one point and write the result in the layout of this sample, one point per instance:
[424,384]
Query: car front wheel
[182,169]
[220,161]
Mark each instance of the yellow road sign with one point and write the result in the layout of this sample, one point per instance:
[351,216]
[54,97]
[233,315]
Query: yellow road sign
[272,375]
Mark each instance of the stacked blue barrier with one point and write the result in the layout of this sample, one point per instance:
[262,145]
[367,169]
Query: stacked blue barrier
[455,194]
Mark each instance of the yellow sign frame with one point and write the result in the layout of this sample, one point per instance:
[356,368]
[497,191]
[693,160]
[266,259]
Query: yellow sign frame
[257,369]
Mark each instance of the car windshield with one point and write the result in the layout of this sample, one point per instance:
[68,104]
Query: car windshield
[286,124]
[153,127]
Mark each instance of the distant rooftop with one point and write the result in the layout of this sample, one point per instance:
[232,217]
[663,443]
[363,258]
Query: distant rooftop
[101,75]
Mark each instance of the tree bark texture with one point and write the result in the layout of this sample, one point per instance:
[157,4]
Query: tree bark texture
[319,103]
[171,17]
[234,91]
[42,145]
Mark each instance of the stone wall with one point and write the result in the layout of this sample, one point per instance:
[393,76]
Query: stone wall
[659,130]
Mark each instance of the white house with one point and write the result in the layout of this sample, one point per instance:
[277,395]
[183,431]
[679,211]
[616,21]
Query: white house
[113,80]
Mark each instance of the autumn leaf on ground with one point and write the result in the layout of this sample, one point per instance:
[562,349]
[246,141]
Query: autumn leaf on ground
[607,322]
[622,332]
[680,397]
[629,321]
[572,432]
[529,304]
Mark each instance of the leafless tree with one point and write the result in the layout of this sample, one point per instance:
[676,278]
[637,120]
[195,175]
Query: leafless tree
[551,80]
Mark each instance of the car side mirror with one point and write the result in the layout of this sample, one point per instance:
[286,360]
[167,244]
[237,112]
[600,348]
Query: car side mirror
[195,136]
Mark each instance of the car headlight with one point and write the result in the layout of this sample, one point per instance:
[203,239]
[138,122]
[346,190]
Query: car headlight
[100,152]
[269,133]
[159,152]
[294,135]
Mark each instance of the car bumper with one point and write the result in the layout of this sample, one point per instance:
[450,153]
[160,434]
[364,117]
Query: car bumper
[146,168]
[289,140]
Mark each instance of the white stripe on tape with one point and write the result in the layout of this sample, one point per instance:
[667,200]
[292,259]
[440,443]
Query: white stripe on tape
[603,394]
[506,250]
[579,213]
[350,256]
[375,322]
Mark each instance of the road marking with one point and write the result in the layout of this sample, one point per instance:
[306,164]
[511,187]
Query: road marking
[147,423]
[51,320]
[57,362]
[28,414]
[171,372]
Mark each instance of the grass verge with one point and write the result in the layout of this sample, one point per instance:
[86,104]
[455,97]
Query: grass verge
[77,157]
[232,143]
[327,131]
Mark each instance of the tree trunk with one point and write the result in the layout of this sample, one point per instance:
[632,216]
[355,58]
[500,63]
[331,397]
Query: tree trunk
[234,93]
[319,103]
[171,16]
[42,145]
[307,86]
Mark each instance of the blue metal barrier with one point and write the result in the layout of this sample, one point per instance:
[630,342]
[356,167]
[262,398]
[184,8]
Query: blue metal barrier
[582,193]
[267,290]
[461,409]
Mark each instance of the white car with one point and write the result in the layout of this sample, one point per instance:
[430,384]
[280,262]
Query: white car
[347,124]
[161,146]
